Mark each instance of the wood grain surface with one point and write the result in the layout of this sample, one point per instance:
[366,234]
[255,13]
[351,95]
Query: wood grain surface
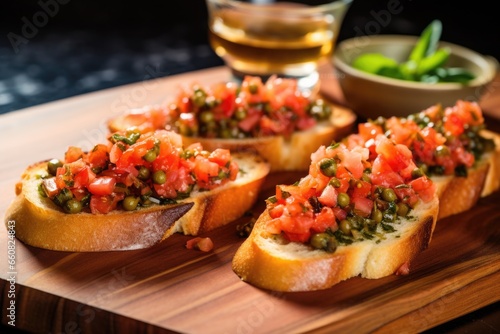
[168,288]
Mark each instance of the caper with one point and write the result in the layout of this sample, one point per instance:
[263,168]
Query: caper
[416,173]
[225,133]
[389,195]
[199,97]
[206,117]
[72,206]
[403,209]
[144,173]
[324,241]
[343,200]
[212,102]
[345,226]
[328,167]
[442,151]
[130,203]
[52,166]
[240,114]
[377,216]
[320,110]
[365,177]
[184,129]
[159,177]
[63,196]
[253,88]
[318,240]
[335,182]
[150,156]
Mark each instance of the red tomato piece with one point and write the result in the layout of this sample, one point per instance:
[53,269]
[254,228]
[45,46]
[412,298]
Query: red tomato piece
[369,130]
[362,189]
[83,178]
[328,196]
[72,154]
[220,156]
[199,243]
[102,185]
[276,211]
[204,169]
[98,157]
[104,204]
[250,121]
[324,219]
[424,187]
[362,205]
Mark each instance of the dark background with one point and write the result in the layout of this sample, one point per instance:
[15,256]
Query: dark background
[81,46]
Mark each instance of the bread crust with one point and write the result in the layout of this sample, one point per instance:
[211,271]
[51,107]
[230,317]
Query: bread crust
[492,182]
[267,262]
[459,194]
[40,223]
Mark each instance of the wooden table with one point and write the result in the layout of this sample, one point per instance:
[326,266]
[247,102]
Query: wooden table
[169,288]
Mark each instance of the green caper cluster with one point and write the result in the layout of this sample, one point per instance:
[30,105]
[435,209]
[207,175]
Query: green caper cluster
[471,139]
[208,124]
[319,109]
[386,211]
[139,194]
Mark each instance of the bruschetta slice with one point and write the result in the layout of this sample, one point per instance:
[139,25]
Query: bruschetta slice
[274,119]
[132,192]
[357,213]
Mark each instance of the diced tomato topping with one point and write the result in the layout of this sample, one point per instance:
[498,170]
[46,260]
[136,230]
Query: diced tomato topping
[369,130]
[252,109]
[139,165]
[339,213]
[115,153]
[276,211]
[203,244]
[205,169]
[104,204]
[383,174]
[83,178]
[324,219]
[361,189]
[98,158]
[328,196]
[72,154]
[424,187]
[362,205]
[250,121]
[103,185]
[220,156]
[397,156]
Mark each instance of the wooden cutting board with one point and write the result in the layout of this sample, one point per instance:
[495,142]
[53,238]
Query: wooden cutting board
[168,288]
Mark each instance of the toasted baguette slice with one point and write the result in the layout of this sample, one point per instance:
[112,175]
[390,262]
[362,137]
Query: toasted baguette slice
[288,154]
[41,223]
[269,262]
